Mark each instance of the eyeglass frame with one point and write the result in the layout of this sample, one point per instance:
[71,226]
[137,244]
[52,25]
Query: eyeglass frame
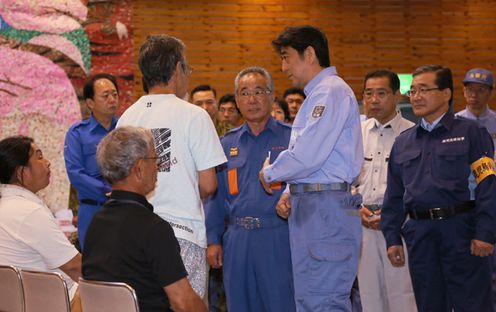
[421,91]
[256,93]
[157,159]
[188,70]
[479,89]
[376,91]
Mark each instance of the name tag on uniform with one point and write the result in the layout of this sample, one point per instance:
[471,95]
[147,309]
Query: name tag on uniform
[458,139]
[318,111]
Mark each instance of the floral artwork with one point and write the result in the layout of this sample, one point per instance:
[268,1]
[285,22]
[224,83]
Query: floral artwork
[45,56]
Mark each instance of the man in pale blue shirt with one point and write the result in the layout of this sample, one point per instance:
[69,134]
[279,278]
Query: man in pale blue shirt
[477,90]
[325,155]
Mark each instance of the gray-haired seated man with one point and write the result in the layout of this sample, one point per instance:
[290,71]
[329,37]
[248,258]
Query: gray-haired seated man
[126,241]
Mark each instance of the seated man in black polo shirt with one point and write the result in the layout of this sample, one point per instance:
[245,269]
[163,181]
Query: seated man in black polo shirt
[126,241]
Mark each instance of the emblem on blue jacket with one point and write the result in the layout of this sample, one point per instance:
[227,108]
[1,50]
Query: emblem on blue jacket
[318,111]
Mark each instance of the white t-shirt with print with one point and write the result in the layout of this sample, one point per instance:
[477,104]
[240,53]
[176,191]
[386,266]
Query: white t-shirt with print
[186,142]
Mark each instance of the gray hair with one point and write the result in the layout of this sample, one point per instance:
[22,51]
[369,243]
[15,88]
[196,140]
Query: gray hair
[119,150]
[158,57]
[254,70]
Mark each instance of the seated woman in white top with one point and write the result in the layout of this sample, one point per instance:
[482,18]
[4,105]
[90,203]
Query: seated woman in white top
[29,235]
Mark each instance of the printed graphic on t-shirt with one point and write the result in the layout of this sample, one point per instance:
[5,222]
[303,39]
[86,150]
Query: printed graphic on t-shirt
[162,137]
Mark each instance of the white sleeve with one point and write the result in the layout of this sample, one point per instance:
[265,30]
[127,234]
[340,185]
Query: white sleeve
[204,143]
[41,232]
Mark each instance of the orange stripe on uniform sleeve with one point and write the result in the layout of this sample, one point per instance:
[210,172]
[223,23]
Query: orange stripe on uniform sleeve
[232,180]
[276,185]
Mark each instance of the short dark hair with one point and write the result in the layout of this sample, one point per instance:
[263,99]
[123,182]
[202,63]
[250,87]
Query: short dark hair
[229,97]
[294,90]
[158,57]
[203,87]
[302,37]
[394,80]
[89,86]
[285,108]
[444,77]
[14,152]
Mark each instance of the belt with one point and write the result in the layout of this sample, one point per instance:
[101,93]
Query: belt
[251,223]
[91,202]
[373,207]
[317,187]
[440,213]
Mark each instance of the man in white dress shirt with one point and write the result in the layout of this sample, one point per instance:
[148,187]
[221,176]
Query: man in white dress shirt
[382,287]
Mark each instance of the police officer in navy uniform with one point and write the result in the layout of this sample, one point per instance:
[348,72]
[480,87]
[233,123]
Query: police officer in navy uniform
[254,251]
[441,181]
[324,157]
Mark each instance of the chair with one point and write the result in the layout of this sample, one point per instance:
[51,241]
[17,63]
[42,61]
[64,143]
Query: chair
[99,296]
[45,292]
[11,292]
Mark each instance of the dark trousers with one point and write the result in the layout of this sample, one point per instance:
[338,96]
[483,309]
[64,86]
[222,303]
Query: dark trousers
[445,276]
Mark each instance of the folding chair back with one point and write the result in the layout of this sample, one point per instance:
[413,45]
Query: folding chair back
[99,296]
[45,292]
[11,292]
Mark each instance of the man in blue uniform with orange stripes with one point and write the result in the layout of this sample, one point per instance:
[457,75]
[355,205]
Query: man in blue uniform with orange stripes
[441,175]
[254,250]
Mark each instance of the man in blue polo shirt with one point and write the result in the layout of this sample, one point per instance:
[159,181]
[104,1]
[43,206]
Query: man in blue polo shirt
[102,97]
[325,155]
[441,175]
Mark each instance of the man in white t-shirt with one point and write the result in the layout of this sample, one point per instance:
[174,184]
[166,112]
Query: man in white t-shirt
[187,147]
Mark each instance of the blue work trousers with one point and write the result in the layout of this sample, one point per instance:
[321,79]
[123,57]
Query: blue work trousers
[257,269]
[445,276]
[325,235]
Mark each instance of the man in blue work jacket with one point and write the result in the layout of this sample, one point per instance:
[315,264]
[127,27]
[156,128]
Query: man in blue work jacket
[325,155]
[254,251]
[441,175]
[102,97]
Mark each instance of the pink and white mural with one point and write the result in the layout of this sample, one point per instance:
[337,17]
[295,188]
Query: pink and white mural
[45,56]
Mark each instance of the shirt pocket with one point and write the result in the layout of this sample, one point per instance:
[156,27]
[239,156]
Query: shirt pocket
[235,174]
[451,161]
[89,159]
[409,161]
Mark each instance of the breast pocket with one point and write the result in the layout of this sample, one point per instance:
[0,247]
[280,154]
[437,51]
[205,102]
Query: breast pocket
[89,159]
[235,175]
[409,161]
[451,161]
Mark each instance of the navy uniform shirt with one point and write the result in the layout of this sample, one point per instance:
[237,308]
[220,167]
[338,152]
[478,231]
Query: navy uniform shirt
[432,169]
[239,191]
[80,158]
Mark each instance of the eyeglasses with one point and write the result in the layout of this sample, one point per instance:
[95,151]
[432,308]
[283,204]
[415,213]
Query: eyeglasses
[256,93]
[381,94]
[156,158]
[188,70]
[476,89]
[421,91]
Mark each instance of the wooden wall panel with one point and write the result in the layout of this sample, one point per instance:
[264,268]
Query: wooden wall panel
[222,37]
